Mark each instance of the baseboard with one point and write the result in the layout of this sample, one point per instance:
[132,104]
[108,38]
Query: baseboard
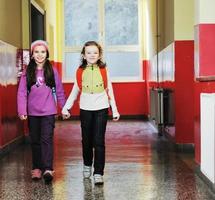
[11,146]
[185,148]
[181,148]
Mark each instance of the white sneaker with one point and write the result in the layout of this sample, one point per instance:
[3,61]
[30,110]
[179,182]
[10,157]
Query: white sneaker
[87,171]
[98,179]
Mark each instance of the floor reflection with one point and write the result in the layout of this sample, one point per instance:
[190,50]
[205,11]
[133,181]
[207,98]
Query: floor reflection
[88,189]
[91,191]
[139,166]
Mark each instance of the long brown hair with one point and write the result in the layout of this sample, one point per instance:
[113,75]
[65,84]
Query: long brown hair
[48,73]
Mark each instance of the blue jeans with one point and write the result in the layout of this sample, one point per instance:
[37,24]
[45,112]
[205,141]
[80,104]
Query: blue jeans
[41,135]
[93,126]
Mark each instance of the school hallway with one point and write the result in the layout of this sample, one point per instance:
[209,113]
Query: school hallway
[140,165]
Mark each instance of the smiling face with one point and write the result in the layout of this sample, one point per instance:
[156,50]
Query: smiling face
[91,54]
[40,54]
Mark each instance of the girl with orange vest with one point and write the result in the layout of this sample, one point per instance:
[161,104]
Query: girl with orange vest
[96,96]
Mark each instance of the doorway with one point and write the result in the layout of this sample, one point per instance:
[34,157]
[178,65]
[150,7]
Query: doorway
[37,23]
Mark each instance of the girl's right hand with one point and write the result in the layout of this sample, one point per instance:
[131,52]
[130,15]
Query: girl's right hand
[65,113]
[23,117]
[67,116]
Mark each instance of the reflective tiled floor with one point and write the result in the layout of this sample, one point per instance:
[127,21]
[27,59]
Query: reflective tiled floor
[139,166]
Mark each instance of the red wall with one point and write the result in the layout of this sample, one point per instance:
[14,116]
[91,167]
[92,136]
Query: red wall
[206,54]
[58,66]
[184,91]
[183,86]
[11,127]
[130,98]
[206,49]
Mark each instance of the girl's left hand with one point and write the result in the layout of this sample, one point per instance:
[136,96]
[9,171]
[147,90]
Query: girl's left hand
[116,118]
[23,117]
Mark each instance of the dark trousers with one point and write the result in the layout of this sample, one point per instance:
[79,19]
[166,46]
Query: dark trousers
[41,135]
[93,126]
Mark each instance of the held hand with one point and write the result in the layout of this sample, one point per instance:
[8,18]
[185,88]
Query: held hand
[67,116]
[116,118]
[23,117]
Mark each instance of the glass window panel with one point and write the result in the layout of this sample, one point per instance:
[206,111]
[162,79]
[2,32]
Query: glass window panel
[123,64]
[153,69]
[72,61]
[120,28]
[81,21]
[121,22]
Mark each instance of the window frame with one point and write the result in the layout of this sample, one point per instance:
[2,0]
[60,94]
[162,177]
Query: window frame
[113,48]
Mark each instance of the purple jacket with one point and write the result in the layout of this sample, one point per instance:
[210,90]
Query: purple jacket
[40,101]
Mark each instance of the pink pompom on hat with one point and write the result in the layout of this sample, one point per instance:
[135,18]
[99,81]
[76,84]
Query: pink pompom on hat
[37,43]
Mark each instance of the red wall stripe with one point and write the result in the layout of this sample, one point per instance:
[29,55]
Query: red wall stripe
[184,91]
[58,66]
[130,98]
[206,49]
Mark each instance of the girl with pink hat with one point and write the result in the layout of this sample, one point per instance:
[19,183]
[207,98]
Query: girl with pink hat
[40,88]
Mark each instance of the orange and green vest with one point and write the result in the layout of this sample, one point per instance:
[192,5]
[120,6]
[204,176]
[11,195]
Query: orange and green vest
[92,79]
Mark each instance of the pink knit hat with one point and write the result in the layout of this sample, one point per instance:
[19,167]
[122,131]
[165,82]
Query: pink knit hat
[39,42]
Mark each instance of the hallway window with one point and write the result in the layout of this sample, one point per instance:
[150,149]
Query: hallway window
[81,22]
[121,22]
[114,24]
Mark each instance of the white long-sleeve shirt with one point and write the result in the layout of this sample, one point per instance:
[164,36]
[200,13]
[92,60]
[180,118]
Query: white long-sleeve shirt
[92,102]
